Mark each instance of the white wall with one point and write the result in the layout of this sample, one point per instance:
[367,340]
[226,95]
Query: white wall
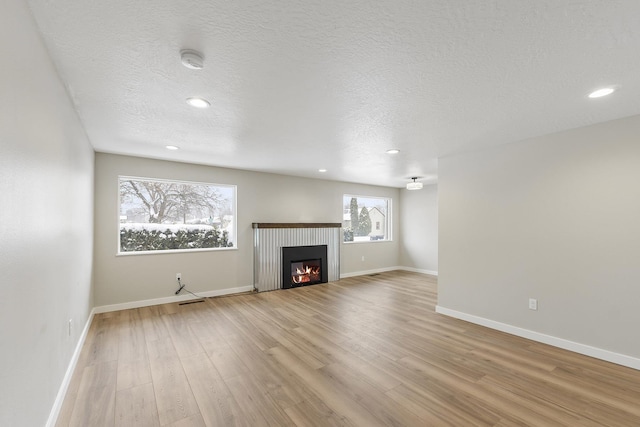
[555,218]
[419,229]
[46,223]
[261,198]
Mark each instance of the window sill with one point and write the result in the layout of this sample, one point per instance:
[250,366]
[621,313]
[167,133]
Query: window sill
[175,251]
[367,241]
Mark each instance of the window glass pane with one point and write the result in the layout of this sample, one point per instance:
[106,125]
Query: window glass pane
[366,219]
[162,215]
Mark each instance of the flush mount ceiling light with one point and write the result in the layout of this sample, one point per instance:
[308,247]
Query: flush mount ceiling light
[322,170]
[414,185]
[192,59]
[393,151]
[198,102]
[602,92]
[172,147]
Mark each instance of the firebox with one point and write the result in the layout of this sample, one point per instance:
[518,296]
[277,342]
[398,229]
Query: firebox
[304,265]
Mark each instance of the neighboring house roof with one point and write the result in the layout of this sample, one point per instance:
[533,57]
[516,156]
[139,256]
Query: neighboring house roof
[375,209]
[347,216]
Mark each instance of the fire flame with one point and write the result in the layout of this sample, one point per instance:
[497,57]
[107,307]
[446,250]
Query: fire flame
[306,274]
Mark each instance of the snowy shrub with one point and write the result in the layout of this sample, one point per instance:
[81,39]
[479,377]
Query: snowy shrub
[163,237]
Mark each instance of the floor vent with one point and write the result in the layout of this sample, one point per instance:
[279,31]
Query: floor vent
[190,302]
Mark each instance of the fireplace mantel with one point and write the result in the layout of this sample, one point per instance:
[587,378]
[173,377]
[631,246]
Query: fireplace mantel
[296,225]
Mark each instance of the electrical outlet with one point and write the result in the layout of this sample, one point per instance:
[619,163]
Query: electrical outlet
[70,326]
[533,304]
[178,276]
[363,257]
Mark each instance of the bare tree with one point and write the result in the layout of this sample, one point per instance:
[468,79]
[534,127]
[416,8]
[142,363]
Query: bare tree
[166,201]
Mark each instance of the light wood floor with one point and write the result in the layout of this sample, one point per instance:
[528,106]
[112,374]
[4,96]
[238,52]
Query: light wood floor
[363,351]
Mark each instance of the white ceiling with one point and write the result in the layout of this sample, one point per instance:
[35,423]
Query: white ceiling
[300,85]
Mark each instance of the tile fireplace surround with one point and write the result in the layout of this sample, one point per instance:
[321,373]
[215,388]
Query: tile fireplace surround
[270,238]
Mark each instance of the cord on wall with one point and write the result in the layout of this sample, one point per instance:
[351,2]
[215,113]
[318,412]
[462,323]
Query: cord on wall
[182,286]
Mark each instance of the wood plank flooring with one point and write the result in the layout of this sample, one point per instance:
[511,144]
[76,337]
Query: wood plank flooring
[364,351]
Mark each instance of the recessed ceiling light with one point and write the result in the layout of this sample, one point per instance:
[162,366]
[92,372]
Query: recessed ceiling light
[322,170]
[172,147]
[393,151]
[602,92]
[198,102]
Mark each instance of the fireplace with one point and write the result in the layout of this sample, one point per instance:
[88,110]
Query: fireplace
[304,265]
[270,238]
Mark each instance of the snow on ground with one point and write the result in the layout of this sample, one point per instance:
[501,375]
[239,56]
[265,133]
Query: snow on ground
[164,227]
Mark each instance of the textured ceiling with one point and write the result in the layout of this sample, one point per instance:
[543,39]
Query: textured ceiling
[300,85]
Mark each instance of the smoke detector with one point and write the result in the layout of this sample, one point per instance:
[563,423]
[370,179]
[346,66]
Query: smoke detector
[192,59]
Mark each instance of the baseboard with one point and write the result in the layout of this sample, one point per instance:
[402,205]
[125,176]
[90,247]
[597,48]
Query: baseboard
[62,392]
[166,300]
[587,350]
[385,269]
[419,270]
[366,272]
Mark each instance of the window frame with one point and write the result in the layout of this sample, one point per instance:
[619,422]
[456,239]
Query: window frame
[387,223]
[233,205]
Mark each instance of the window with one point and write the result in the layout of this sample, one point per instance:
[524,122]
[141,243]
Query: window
[366,218]
[160,215]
